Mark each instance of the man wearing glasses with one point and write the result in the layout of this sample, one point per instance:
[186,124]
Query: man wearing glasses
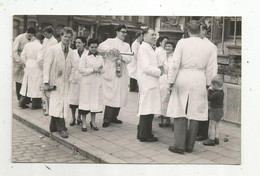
[115,87]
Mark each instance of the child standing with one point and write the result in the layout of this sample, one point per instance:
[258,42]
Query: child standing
[215,97]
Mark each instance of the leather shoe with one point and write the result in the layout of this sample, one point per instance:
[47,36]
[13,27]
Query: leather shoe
[84,129]
[151,139]
[201,138]
[209,142]
[116,121]
[188,150]
[175,150]
[216,141]
[105,124]
[64,134]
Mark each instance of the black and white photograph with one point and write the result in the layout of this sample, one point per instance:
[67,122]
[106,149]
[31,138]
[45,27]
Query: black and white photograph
[114,91]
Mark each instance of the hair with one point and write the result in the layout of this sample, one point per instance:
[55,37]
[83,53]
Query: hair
[146,30]
[160,39]
[171,43]
[92,40]
[39,36]
[83,39]
[119,27]
[66,30]
[194,27]
[203,26]
[31,30]
[138,34]
[49,29]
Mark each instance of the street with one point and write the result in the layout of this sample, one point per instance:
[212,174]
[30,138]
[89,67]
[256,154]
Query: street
[31,146]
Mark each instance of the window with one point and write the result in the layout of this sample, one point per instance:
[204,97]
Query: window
[232,26]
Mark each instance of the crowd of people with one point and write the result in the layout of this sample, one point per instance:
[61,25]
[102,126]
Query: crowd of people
[172,80]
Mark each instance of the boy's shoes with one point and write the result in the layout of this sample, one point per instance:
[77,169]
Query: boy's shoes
[151,139]
[209,142]
[64,134]
[175,150]
[216,141]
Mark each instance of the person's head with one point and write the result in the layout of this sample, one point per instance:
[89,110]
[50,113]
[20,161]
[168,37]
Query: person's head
[121,32]
[169,46]
[203,30]
[161,41]
[80,42]
[66,33]
[149,36]
[48,32]
[193,27]
[217,83]
[139,36]
[93,45]
[30,33]
[39,36]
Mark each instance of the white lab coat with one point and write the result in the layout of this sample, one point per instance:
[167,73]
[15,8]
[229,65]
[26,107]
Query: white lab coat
[90,98]
[54,63]
[148,75]
[18,45]
[215,56]
[74,87]
[133,64]
[49,42]
[191,69]
[161,55]
[115,89]
[32,76]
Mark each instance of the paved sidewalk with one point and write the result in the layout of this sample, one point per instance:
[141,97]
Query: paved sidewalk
[118,143]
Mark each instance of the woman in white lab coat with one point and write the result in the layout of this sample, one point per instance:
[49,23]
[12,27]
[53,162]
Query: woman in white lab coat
[90,99]
[74,88]
[160,51]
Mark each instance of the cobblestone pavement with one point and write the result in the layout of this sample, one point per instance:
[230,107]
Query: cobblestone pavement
[31,146]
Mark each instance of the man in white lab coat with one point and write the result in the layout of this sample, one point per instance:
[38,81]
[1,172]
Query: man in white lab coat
[115,78]
[133,64]
[32,73]
[190,72]
[148,74]
[18,65]
[204,125]
[49,39]
[56,76]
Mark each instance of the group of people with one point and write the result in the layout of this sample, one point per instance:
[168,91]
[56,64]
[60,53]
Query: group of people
[172,81]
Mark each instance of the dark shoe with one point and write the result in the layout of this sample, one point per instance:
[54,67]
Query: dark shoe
[216,141]
[116,121]
[84,129]
[201,138]
[92,127]
[151,139]
[24,107]
[72,123]
[64,134]
[209,142]
[188,150]
[66,129]
[175,150]
[105,124]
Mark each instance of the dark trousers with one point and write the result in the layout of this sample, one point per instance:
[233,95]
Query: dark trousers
[36,102]
[23,101]
[203,128]
[110,114]
[18,87]
[57,124]
[144,128]
[133,85]
[184,136]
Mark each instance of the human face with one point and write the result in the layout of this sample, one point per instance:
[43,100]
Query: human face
[121,34]
[65,39]
[47,35]
[162,43]
[168,48]
[79,44]
[150,37]
[29,36]
[93,47]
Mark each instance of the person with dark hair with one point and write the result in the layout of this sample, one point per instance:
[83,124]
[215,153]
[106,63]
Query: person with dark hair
[169,48]
[18,64]
[90,99]
[56,76]
[160,51]
[114,86]
[204,125]
[132,65]
[148,74]
[32,75]
[74,87]
[49,39]
[190,72]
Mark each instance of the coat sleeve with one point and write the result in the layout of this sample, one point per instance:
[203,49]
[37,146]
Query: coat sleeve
[135,49]
[40,58]
[47,64]
[174,63]
[148,69]
[127,59]
[211,66]
[104,47]
[16,49]
[23,55]
[102,63]
[82,69]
